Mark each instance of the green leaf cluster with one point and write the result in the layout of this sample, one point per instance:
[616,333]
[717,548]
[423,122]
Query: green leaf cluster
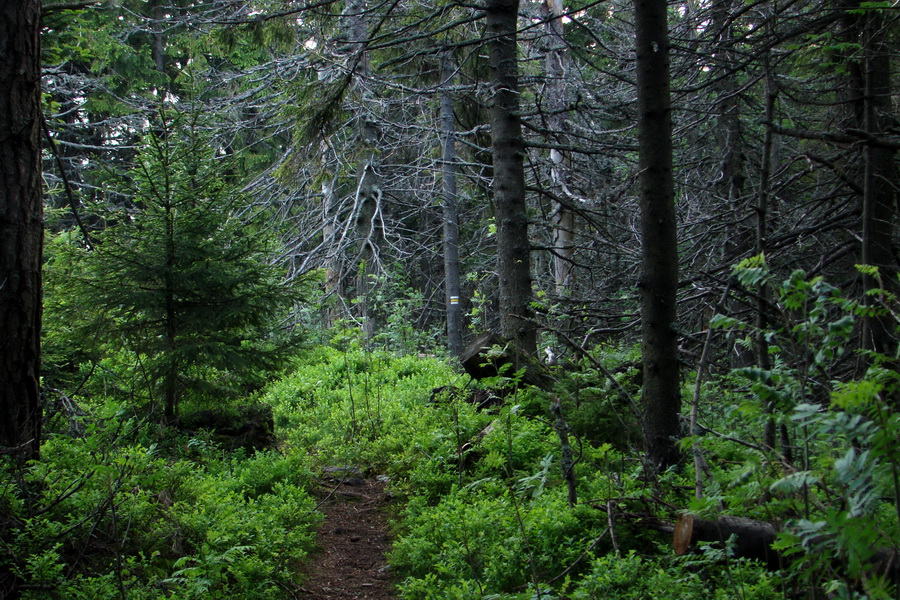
[837,490]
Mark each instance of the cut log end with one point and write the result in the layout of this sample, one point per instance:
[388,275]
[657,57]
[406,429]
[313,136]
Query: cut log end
[684,529]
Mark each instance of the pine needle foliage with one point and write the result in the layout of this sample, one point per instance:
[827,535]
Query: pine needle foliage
[180,277]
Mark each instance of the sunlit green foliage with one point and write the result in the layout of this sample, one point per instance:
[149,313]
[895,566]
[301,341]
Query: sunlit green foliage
[348,404]
[708,576]
[484,511]
[111,512]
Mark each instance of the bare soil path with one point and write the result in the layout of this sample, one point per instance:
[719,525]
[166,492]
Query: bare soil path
[353,541]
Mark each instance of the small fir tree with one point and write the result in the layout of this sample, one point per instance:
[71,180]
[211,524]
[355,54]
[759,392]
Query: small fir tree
[179,276]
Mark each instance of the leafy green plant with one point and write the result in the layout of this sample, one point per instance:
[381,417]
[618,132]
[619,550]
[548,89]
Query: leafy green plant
[840,491]
[108,514]
[474,543]
[614,577]
[351,404]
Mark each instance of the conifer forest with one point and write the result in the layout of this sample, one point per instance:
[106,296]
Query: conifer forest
[447,300]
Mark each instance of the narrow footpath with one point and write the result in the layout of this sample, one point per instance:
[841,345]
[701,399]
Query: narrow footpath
[353,541]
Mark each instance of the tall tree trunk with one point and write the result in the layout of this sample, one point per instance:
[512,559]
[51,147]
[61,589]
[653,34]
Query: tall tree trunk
[659,282]
[158,47]
[867,98]
[761,345]
[729,185]
[556,66]
[333,275]
[451,210]
[367,205]
[508,148]
[368,196]
[170,378]
[21,228]
[879,180]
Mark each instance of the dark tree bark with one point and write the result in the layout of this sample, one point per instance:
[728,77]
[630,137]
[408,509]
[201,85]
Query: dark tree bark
[729,185]
[867,107]
[879,179]
[508,147]
[170,381]
[761,345]
[21,227]
[451,212]
[752,539]
[659,281]
[158,47]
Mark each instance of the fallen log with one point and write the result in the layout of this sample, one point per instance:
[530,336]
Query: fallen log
[752,539]
[476,360]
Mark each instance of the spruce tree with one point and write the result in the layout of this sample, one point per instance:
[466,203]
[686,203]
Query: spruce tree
[181,277]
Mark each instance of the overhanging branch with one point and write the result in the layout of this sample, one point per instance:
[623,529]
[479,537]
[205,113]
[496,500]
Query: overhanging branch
[851,136]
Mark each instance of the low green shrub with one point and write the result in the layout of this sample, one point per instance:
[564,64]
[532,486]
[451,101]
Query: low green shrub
[712,577]
[485,539]
[352,405]
[831,475]
[107,515]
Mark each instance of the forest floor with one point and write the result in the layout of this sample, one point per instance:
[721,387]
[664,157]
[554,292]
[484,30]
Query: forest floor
[353,541]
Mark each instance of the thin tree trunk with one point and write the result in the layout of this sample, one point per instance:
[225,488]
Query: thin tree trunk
[867,89]
[368,196]
[555,69]
[513,247]
[367,203]
[567,455]
[333,275]
[659,282]
[729,185]
[170,378]
[158,48]
[761,346]
[21,228]
[451,211]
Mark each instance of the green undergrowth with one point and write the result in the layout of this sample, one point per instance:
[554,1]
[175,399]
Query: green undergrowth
[355,406]
[118,508]
[484,511]
[115,513]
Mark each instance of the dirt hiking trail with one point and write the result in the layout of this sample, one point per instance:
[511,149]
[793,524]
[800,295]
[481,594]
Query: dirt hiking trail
[351,562]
